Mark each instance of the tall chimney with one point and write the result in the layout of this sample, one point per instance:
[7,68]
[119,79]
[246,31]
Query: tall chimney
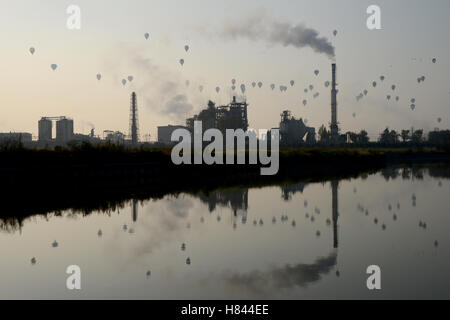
[334,126]
[134,124]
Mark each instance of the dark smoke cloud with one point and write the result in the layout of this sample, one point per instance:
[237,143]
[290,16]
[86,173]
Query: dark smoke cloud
[259,27]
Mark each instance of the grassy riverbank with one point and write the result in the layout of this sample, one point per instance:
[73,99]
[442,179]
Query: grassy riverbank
[96,178]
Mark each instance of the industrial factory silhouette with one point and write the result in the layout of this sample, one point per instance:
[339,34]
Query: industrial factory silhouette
[293,132]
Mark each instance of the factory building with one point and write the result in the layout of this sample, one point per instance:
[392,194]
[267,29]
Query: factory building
[114,137]
[64,130]
[231,116]
[165,133]
[16,136]
[294,132]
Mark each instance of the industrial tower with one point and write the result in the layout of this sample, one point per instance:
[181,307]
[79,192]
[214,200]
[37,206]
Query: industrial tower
[134,123]
[334,125]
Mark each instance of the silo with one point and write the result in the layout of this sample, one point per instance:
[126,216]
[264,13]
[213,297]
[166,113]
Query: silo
[45,129]
[64,130]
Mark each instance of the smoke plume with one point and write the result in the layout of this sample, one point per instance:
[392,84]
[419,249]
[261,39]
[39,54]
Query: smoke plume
[259,27]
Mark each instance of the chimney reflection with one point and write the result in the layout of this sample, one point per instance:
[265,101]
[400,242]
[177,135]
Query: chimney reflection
[334,208]
[134,213]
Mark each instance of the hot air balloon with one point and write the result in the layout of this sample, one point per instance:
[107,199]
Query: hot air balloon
[186,48]
[124,81]
[130,78]
[365,92]
[393,87]
[54,66]
[413,100]
[272,86]
[253,84]
[374,84]
[439,120]
[32,50]
[382,78]
[260,84]
[281,88]
[434,60]
[181,62]
[305,102]
[217,89]
[233,81]
[316,72]
[146,35]
[388,97]
[335,33]
[422,78]
[354,115]
[412,106]
[419,79]
[292,83]
[99,76]
[200,88]
[243,88]
[311,87]
[233,88]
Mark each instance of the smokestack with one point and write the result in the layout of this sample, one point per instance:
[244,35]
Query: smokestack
[334,126]
[134,127]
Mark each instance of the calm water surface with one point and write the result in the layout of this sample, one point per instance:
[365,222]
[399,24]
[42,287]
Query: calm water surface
[281,242]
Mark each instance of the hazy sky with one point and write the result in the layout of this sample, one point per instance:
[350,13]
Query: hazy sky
[111,42]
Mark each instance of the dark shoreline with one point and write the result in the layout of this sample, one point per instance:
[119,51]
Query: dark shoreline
[36,182]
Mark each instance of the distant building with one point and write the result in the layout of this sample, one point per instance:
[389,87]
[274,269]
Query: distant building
[231,116]
[294,131]
[165,133]
[64,130]
[16,136]
[45,129]
[114,137]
